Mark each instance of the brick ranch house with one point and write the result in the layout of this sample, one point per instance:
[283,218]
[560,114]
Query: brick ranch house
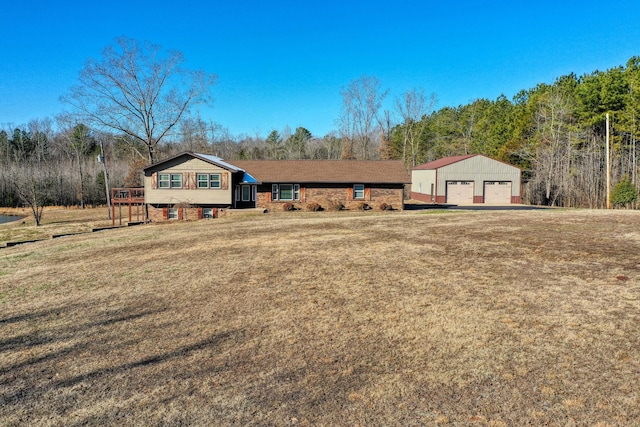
[192,186]
[329,183]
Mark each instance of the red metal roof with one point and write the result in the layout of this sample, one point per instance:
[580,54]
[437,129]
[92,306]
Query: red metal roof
[446,161]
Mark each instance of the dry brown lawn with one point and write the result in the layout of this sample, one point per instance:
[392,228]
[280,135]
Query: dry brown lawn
[402,318]
[55,221]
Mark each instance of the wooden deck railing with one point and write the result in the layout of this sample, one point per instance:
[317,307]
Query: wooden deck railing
[129,197]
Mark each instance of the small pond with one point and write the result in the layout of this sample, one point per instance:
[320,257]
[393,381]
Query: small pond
[5,218]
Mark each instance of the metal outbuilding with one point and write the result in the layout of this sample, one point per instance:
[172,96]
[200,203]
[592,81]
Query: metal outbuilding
[467,179]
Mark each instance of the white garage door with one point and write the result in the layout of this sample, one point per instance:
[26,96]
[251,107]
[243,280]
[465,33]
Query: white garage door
[497,192]
[460,192]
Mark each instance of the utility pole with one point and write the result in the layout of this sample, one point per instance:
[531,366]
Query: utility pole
[608,167]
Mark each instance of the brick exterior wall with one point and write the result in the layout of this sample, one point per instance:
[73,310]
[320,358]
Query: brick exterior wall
[156,214]
[327,198]
[330,198]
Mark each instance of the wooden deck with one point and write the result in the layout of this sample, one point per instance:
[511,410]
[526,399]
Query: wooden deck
[130,197]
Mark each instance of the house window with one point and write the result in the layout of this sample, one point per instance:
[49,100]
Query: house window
[358,191]
[172,213]
[285,192]
[208,180]
[176,180]
[246,193]
[207,212]
[214,180]
[164,180]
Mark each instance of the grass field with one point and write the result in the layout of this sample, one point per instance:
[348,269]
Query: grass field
[402,318]
[55,221]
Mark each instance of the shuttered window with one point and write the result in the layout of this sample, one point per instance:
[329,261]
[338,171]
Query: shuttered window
[176,180]
[286,192]
[358,191]
[164,180]
[212,180]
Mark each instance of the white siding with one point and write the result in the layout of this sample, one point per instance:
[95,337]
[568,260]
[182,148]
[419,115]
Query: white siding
[191,196]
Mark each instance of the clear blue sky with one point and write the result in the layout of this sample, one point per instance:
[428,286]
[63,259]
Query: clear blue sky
[285,62]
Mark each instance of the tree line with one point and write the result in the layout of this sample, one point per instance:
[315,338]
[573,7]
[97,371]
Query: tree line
[134,107]
[555,132]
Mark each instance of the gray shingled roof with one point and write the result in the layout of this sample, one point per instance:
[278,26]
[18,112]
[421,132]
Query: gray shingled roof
[327,171]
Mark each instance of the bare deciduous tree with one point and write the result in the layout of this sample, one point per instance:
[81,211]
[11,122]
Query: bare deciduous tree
[78,143]
[553,122]
[362,100]
[412,106]
[139,90]
[33,186]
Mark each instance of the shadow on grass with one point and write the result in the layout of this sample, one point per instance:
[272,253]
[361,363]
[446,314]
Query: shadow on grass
[210,342]
[42,359]
[24,341]
[26,317]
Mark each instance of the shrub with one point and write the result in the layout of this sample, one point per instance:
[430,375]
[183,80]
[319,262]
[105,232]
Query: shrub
[314,207]
[288,207]
[336,206]
[385,207]
[364,207]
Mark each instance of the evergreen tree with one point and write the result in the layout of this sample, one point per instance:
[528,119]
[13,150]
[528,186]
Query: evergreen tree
[624,193]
